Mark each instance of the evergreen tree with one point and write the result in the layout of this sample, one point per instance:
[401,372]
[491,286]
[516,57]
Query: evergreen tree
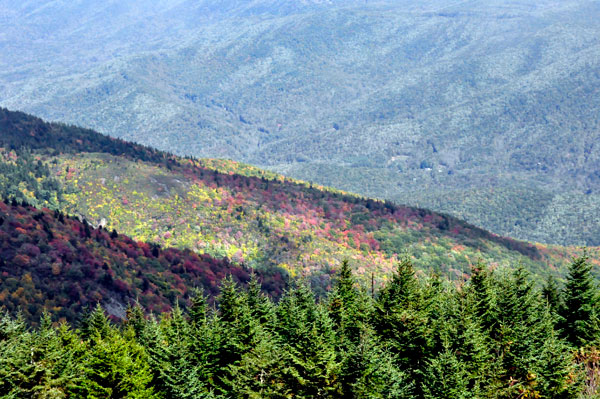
[259,373]
[259,304]
[526,330]
[401,320]
[484,304]
[114,366]
[38,364]
[14,357]
[231,301]
[234,330]
[446,377]
[95,324]
[559,374]
[52,366]
[169,345]
[458,333]
[375,372]
[307,338]
[205,339]
[579,315]
[198,308]
[136,320]
[348,309]
[155,343]
[180,375]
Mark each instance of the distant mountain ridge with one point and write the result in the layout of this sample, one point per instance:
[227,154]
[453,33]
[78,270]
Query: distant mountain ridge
[440,104]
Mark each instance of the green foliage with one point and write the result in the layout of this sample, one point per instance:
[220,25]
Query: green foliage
[420,338]
[114,366]
[368,370]
[307,337]
[260,371]
[446,377]
[523,210]
[41,364]
[524,330]
[551,293]
[402,319]
[95,324]
[579,315]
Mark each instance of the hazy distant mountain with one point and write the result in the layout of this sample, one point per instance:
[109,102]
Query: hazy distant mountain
[484,109]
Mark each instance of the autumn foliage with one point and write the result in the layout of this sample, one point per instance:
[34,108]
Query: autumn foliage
[53,262]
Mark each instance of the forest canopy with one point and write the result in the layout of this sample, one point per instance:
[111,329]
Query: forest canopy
[497,335]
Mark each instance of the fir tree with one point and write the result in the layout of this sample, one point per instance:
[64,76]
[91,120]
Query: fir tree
[180,375]
[234,331]
[526,329]
[14,357]
[375,372]
[445,377]
[260,306]
[52,368]
[205,339]
[458,332]
[348,308]
[95,324]
[114,366]
[401,320]
[135,319]
[154,343]
[308,341]
[259,373]
[484,304]
[198,308]
[579,321]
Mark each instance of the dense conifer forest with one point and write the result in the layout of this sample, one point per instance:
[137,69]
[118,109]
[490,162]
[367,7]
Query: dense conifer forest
[496,336]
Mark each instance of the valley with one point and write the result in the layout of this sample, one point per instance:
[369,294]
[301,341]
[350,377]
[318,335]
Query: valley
[481,109]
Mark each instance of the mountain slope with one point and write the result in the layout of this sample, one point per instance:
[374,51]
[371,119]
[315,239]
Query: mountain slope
[256,218]
[410,101]
[53,262]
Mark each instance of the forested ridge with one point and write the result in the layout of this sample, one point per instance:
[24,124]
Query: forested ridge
[230,210]
[23,131]
[497,335]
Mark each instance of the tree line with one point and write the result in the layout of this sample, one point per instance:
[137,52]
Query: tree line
[497,335]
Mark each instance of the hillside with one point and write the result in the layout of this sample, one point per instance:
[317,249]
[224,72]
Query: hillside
[486,110]
[53,262]
[261,220]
